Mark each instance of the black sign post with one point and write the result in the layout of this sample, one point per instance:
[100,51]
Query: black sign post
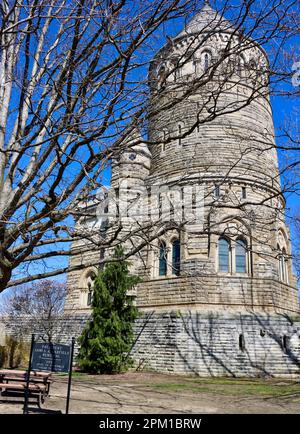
[50,357]
[25,408]
[70,375]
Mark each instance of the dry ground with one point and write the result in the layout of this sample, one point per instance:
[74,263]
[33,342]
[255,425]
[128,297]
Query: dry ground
[136,392]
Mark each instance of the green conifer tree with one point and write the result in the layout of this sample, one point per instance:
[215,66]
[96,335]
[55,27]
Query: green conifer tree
[107,338]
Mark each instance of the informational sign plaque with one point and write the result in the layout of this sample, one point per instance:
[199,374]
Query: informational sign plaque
[50,357]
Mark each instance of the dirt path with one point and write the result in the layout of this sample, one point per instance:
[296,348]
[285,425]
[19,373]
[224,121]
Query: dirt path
[155,393]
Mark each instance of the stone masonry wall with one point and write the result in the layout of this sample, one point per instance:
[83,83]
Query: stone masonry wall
[65,328]
[218,293]
[205,344]
[210,344]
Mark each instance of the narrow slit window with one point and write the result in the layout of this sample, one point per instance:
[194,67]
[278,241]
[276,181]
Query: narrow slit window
[242,346]
[90,295]
[179,134]
[195,65]
[149,201]
[285,343]
[182,202]
[171,200]
[90,287]
[178,72]
[159,206]
[283,266]
[194,201]
[244,193]
[217,191]
[163,145]
[176,257]
[206,61]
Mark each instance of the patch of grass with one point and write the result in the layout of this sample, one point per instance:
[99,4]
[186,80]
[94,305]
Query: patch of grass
[176,387]
[74,374]
[232,387]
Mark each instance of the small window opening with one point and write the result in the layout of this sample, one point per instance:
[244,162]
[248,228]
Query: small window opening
[242,343]
[159,205]
[217,192]
[171,200]
[182,202]
[194,201]
[285,343]
[206,61]
[149,201]
[179,134]
[163,145]
[90,285]
[198,109]
[244,193]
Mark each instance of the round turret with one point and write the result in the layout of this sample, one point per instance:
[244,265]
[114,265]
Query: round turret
[210,98]
[210,124]
[131,162]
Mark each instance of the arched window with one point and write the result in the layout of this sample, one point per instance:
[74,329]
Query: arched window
[252,67]
[217,192]
[283,271]
[252,64]
[206,60]
[195,64]
[279,262]
[224,251]
[164,138]
[282,267]
[240,66]
[90,286]
[161,75]
[178,71]
[162,259]
[241,256]
[176,257]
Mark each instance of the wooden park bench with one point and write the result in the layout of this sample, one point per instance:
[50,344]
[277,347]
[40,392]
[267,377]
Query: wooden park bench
[15,380]
[38,390]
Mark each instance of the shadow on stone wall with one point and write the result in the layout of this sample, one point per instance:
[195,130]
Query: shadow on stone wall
[204,344]
[218,344]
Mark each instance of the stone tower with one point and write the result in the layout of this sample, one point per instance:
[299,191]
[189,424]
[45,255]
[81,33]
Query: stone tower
[218,278]
[224,147]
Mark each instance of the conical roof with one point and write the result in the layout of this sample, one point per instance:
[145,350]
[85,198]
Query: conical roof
[207,20]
